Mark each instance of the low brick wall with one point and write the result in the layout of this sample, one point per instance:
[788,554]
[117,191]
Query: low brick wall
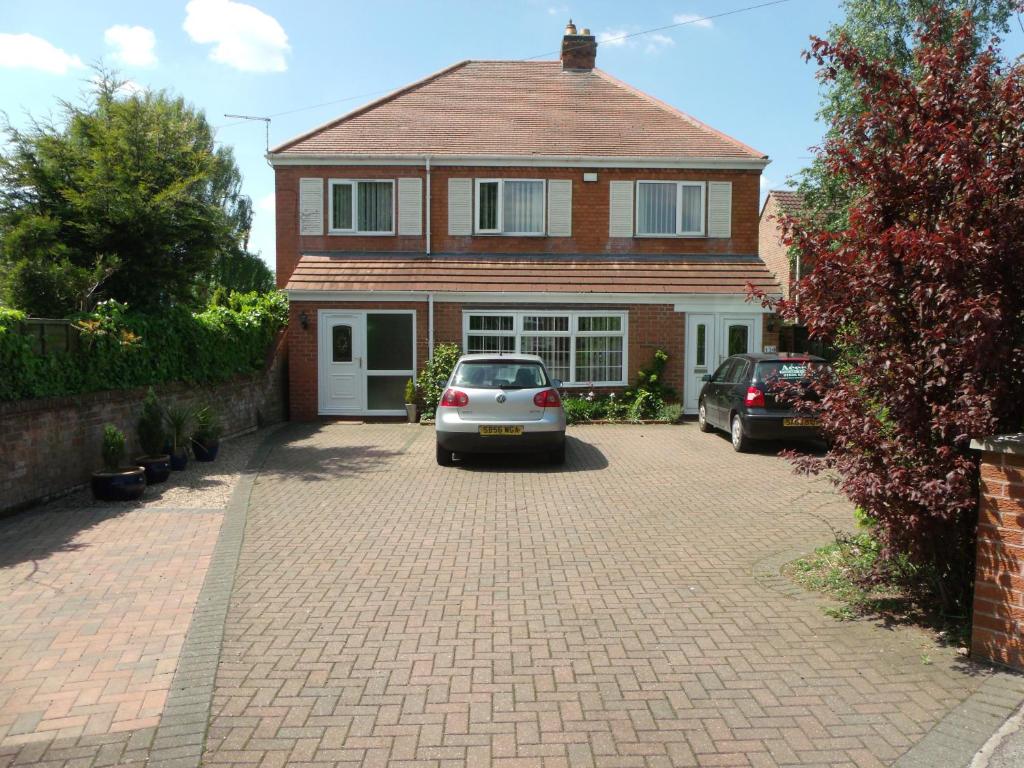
[52,445]
[998,625]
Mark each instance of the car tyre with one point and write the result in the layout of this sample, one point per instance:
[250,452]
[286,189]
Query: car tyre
[557,456]
[444,458]
[740,441]
[702,418]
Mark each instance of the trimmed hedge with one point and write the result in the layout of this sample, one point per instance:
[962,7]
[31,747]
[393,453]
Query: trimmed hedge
[121,349]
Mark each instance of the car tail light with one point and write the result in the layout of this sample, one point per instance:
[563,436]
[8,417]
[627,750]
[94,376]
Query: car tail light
[454,398]
[755,398]
[547,399]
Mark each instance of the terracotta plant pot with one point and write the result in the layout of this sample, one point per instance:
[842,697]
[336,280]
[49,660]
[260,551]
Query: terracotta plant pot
[124,484]
[158,468]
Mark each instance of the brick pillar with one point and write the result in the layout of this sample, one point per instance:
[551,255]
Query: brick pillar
[998,625]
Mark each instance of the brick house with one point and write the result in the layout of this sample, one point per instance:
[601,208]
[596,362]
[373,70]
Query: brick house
[540,207]
[786,268]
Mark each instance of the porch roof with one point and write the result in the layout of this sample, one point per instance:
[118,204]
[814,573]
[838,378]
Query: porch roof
[625,273]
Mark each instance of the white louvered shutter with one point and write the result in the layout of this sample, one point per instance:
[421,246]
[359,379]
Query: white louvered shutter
[560,208]
[460,206]
[311,206]
[620,209]
[719,209]
[410,206]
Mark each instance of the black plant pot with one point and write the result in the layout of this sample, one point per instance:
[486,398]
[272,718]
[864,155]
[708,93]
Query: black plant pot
[158,468]
[205,450]
[125,484]
[179,460]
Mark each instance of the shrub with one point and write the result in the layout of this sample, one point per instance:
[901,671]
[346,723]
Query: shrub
[113,447]
[178,419]
[435,375]
[410,392]
[150,428]
[122,349]
[651,379]
[208,426]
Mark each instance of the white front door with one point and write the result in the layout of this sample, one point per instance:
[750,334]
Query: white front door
[737,337]
[341,362]
[700,356]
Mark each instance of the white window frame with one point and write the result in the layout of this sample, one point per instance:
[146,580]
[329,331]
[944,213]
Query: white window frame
[501,209]
[573,333]
[679,208]
[332,183]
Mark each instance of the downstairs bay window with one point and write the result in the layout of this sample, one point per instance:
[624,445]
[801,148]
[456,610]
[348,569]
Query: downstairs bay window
[580,348]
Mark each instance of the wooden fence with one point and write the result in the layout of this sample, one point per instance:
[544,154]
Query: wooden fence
[50,336]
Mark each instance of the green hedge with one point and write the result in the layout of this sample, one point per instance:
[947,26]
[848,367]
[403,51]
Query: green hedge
[123,349]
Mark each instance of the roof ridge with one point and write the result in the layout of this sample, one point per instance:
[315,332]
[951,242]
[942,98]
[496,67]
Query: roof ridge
[678,112]
[372,105]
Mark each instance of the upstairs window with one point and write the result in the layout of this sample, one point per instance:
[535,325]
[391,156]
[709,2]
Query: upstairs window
[670,208]
[509,207]
[362,207]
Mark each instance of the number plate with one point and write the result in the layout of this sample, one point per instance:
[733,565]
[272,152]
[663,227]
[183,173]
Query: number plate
[503,431]
[800,422]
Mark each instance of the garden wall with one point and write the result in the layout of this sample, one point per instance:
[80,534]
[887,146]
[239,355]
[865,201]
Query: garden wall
[51,445]
[998,626]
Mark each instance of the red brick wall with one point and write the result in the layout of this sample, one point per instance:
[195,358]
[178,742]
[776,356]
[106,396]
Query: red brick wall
[650,326]
[589,219]
[773,253]
[998,626]
[52,445]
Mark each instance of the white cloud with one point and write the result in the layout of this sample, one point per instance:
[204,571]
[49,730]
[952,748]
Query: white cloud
[693,20]
[267,203]
[557,10]
[613,37]
[31,52]
[656,41]
[244,37]
[652,43]
[133,46]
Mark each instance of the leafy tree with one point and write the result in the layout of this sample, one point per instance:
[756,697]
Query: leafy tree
[884,31]
[126,197]
[924,287]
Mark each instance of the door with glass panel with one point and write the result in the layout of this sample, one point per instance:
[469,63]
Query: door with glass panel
[737,336]
[700,356]
[340,357]
[390,360]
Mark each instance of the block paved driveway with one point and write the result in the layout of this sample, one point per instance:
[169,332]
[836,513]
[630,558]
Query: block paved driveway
[623,610]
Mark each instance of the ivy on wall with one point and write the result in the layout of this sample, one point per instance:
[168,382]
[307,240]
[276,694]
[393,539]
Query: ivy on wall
[122,349]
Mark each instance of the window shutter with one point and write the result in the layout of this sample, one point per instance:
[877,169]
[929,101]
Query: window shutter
[311,206]
[560,207]
[719,209]
[410,206]
[460,206]
[620,209]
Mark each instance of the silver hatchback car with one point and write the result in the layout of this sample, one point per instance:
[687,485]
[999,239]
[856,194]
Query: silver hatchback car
[500,403]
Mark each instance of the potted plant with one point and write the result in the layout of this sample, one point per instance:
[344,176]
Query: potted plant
[206,436]
[410,401]
[178,419]
[152,438]
[114,482]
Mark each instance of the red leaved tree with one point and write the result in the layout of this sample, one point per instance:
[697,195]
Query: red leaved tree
[924,290]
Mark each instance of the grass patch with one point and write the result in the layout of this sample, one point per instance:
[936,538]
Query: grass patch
[851,571]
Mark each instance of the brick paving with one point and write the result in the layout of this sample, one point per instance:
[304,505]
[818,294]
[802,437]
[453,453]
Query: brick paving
[622,611]
[96,601]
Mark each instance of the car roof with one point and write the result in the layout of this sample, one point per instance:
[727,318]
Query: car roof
[510,356]
[760,357]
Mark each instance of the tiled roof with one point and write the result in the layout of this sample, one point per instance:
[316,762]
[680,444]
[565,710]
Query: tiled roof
[511,108]
[789,200]
[519,274]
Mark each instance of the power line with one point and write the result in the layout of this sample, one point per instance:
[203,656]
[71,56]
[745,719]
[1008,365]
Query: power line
[614,39]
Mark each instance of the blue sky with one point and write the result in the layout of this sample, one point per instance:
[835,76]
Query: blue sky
[743,73]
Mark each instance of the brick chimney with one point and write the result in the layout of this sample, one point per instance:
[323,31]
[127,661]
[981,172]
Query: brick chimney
[579,51]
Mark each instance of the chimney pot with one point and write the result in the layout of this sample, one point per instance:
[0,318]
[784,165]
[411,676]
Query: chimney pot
[579,51]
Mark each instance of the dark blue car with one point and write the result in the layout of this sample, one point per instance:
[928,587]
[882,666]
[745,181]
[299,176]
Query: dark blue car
[740,398]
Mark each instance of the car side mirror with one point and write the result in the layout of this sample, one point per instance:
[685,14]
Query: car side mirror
[706,377]
[556,383]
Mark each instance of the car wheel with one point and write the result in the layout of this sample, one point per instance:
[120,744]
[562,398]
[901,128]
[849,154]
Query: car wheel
[702,418]
[444,458]
[557,456]
[740,442]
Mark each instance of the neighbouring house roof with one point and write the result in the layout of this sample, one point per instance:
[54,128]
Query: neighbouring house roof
[789,200]
[513,108]
[626,273]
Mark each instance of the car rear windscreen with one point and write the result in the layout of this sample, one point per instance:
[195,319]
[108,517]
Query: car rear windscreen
[786,370]
[500,374]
